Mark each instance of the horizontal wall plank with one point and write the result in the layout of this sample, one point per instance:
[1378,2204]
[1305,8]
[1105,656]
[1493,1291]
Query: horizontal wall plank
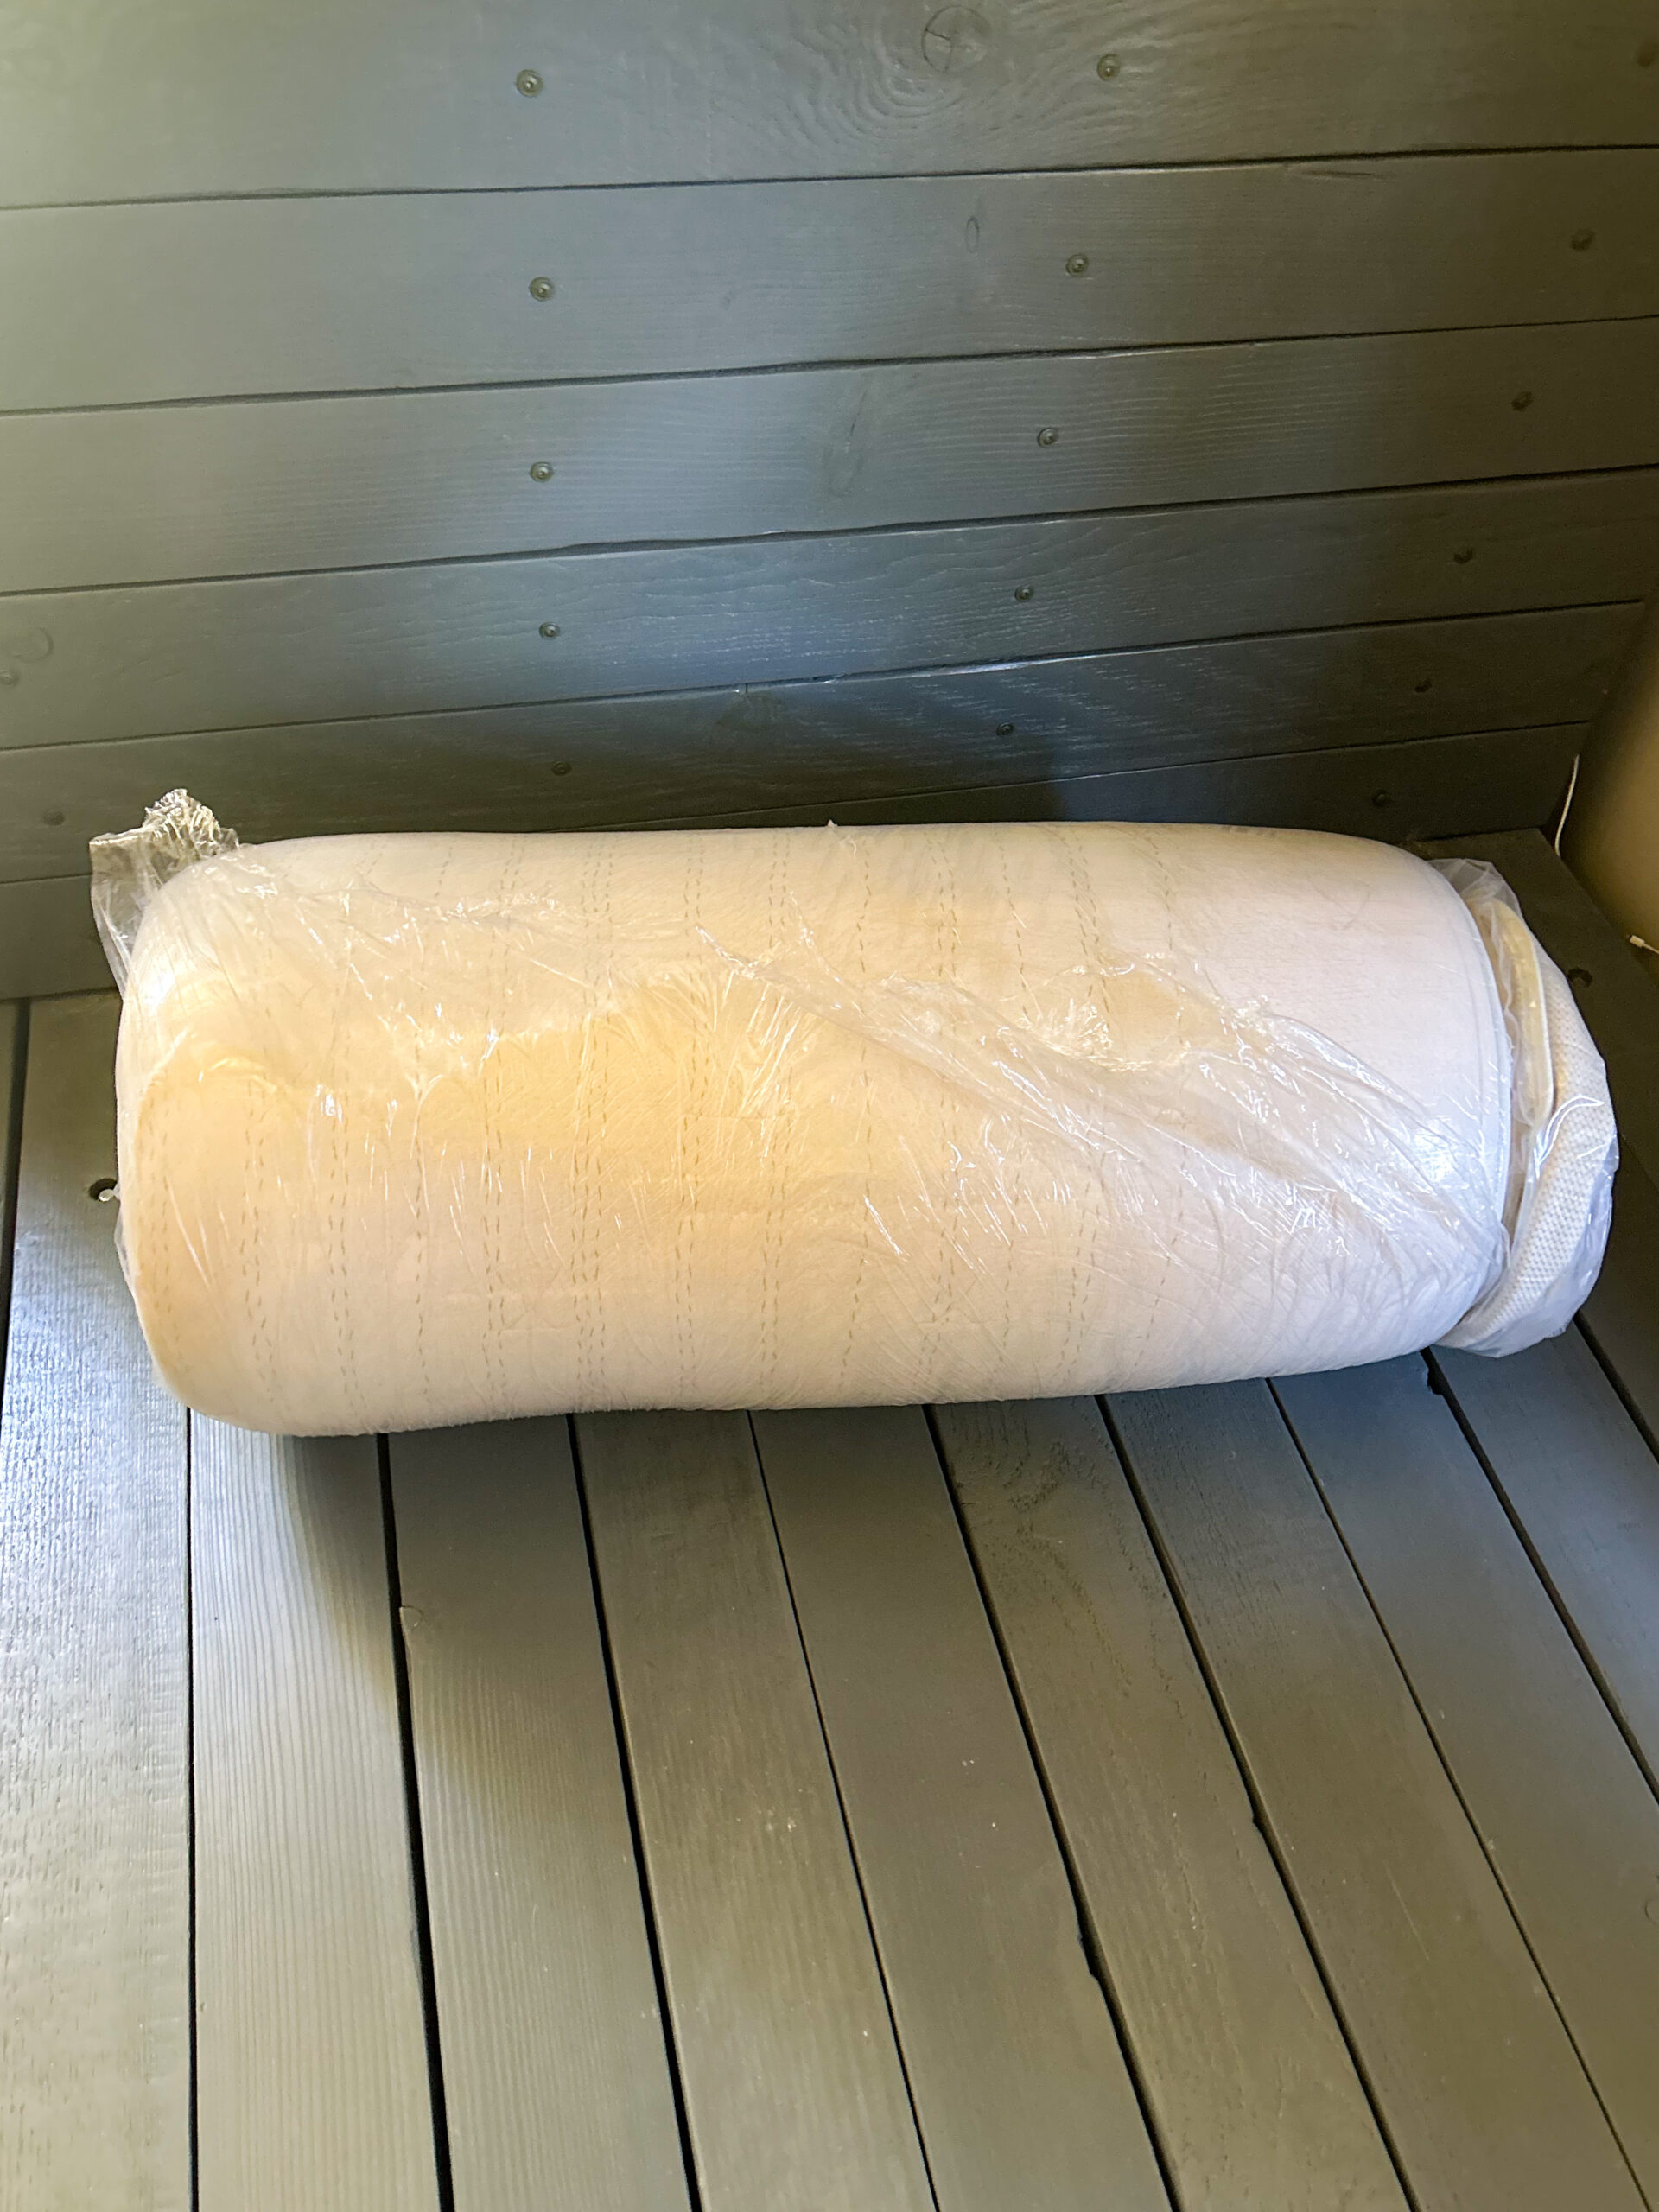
[162,659]
[105,102]
[1434,787]
[636,758]
[131,496]
[168,301]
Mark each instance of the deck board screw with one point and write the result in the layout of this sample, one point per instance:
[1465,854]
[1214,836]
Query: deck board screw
[1521,401]
[1582,241]
[1078,265]
[1379,799]
[542,471]
[1005,729]
[549,629]
[1022,591]
[53,817]
[8,675]
[561,767]
[541,288]
[1108,66]
[1048,437]
[1464,554]
[529,83]
[1424,684]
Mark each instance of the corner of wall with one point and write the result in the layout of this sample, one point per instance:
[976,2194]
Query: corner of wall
[1611,839]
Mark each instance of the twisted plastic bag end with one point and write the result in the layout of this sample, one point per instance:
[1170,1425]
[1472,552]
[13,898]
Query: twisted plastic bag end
[130,866]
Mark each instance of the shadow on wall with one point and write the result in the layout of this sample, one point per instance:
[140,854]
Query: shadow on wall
[1612,837]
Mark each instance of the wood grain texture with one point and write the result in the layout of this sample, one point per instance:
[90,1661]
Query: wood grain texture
[793,2090]
[1567,1817]
[1582,1485]
[556,2087]
[1020,2086]
[104,102]
[94,1686]
[500,781]
[645,755]
[207,298]
[1483,2095]
[164,658]
[1243,2068]
[311,2057]
[225,488]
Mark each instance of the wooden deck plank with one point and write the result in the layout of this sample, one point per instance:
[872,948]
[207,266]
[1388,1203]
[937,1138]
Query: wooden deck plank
[218,488]
[312,2082]
[98,666]
[175,301]
[794,2092]
[94,1681]
[211,97]
[1568,1820]
[1583,1487]
[1483,2095]
[556,2087]
[1243,2068]
[1020,2085]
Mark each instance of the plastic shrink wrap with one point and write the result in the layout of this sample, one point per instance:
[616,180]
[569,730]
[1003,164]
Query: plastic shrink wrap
[432,1129]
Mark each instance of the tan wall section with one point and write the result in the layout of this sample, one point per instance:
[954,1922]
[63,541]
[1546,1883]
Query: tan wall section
[1612,834]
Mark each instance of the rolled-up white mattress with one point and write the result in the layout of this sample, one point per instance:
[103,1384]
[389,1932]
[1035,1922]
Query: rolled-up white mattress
[434,1128]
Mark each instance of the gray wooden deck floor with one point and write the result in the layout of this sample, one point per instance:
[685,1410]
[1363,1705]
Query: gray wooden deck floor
[1239,1799]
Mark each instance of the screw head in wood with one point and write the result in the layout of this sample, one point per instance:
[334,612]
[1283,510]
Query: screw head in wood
[1022,591]
[103,1191]
[1464,554]
[549,629]
[529,82]
[541,288]
[8,675]
[1379,799]
[541,472]
[53,817]
[1521,401]
[1050,437]
[1005,729]
[1078,265]
[561,767]
[1424,684]
[1108,66]
[1582,241]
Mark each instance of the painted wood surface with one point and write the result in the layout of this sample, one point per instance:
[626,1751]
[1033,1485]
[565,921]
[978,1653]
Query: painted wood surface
[557,2088]
[645,756]
[1582,1487]
[101,102]
[206,298]
[1568,1818]
[1021,2088]
[82,666]
[137,495]
[794,2092]
[1408,790]
[1241,2064]
[1481,2092]
[312,2083]
[94,1681]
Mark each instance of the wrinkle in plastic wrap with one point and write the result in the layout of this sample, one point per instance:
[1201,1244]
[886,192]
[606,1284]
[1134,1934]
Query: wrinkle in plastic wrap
[424,1129]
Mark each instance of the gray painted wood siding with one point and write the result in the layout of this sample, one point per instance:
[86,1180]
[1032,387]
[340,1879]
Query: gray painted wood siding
[105,102]
[162,659]
[110,304]
[133,495]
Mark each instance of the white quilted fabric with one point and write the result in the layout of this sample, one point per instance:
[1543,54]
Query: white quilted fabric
[424,1129]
